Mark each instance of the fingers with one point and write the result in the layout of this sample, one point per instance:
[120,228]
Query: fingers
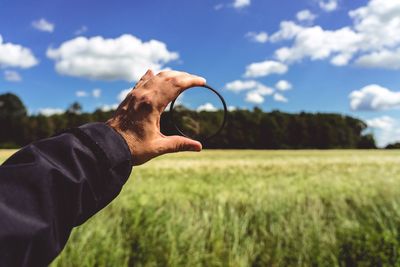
[172,144]
[173,83]
[182,80]
[148,75]
[159,90]
[187,81]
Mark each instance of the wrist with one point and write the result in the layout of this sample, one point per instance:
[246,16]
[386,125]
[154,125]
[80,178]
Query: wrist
[129,139]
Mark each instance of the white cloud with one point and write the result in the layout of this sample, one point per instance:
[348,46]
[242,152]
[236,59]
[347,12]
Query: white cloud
[388,130]
[81,94]
[107,108]
[288,30]
[254,97]
[257,95]
[317,44]
[383,122]
[232,108]
[283,85]
[373,38]
[206,107]
[265,68]
[306,16]
[374,97]
[50,111]
[280,98]
[12,76]
[96,93]
[329,5]
[256,90]
[264,90]
[43,25]
[260,37]
[238,4]
[341,59]
[378,23]
[384,59]
[123,94]
[14,55]
[238,85]
[81,30]
[122,58]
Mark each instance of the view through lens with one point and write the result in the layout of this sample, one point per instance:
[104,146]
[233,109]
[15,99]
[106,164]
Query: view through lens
[198,113]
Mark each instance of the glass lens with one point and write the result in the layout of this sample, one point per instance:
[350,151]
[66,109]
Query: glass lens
[198,113]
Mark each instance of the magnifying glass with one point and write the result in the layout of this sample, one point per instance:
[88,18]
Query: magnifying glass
[199,113]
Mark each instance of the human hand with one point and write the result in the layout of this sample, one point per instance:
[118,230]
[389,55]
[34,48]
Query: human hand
[137,118]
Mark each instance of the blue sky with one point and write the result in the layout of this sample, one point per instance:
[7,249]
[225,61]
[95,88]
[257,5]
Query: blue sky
[305,55]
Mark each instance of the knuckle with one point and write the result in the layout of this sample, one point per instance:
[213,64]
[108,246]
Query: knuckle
[146,100]
[143,100]
[163,73]
[135,95]
[161,150]
[174,81]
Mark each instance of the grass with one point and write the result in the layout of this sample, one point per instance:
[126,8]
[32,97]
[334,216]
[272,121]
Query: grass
[4,154]
[249,208]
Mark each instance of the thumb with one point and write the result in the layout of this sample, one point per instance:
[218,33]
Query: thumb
[172,144]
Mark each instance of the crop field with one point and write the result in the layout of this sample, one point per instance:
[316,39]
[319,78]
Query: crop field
[249,208]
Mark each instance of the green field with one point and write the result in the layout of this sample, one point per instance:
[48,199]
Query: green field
[249,208]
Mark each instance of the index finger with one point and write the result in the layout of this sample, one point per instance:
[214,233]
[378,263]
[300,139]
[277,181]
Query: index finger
[180,81]
[189,80]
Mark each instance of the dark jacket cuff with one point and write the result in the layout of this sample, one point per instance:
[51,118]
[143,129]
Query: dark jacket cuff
[110,147]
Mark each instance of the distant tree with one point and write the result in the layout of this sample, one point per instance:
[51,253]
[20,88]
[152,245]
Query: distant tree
[75,116]
[270,133]
[393,146]
[42,126]
[75,108]
[102,116]
[245,129]
[13,119]
[367,142]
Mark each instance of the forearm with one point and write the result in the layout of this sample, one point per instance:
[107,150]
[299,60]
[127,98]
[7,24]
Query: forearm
[51,186]
[55,184]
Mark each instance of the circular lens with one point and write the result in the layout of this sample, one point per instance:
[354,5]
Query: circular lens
[198,113]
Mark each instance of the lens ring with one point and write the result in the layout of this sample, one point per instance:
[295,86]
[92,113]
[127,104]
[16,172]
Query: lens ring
[171,110]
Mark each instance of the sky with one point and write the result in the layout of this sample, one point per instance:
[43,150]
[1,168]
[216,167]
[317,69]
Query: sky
[340,56]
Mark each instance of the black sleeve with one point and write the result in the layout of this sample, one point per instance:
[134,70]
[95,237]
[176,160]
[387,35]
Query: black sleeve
[52,185]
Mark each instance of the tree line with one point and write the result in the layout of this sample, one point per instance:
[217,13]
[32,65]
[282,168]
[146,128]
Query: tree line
[245,129]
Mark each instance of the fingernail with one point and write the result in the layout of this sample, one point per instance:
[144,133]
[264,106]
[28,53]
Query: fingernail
[197,149]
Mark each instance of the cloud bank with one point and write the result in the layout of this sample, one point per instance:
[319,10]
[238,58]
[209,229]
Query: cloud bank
[374,97]
[372,40]
[14,55]
[123,58]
